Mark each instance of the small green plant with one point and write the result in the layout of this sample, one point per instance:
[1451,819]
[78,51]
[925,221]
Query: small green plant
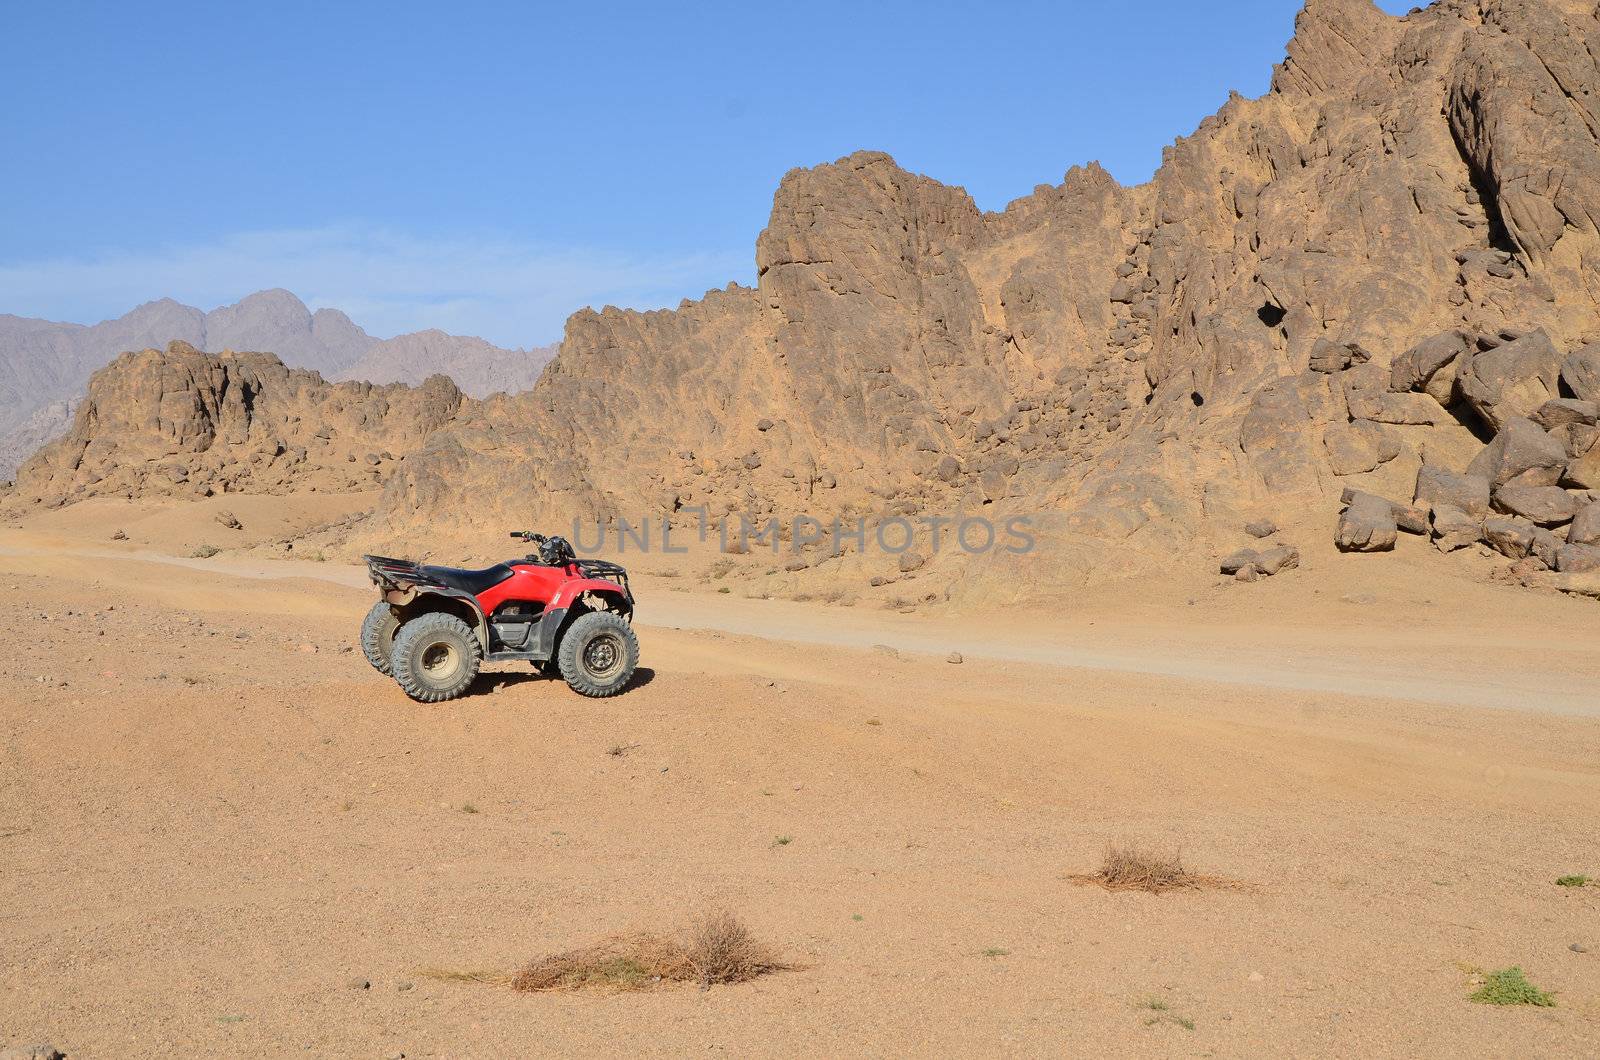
[724,589]
[1572,881]
[618,750]
[204,552]
[857,916]
[782,840]
[467,807]
[996,951]
[1509,986]
[1164,1014]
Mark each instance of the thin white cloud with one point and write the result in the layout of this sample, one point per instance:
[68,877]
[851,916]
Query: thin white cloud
[511,293]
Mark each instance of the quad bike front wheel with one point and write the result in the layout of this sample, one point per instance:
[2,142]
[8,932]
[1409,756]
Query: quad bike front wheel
[435,657]
[377,636]
[598,654]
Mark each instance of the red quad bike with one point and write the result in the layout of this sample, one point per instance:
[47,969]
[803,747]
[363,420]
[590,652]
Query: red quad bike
[436,625]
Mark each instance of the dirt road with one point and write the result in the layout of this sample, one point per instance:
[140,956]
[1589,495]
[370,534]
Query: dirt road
[1417,661]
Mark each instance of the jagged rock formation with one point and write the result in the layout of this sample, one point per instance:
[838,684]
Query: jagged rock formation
[183,423]
[1140,371]
[44,365]
[479,368]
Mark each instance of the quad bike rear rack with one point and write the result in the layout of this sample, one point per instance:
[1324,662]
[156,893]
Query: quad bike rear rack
[601,568]
[390,573]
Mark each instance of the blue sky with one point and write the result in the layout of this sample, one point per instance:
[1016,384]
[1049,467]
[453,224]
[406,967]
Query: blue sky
[489,167]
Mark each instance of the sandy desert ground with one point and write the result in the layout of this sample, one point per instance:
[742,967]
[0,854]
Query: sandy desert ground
[215,818]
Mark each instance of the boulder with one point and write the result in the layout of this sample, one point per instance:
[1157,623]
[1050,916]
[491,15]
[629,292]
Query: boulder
[1437,487]
[1577,439]
[1367,397]
[1583,469]
[1542,505]
[1273,560]
[1328,357]
[1454,528]
[1585,528]
[1581,583]
[1521,454]
[1561,412]
[1509,535]
[1359,446]
[1411,518]
[1545,547]
[1261,528]
[1577,559]
[1237,561]
[1580,372]
[1413,369]
[1367,525]
[1418,409]
[1510,380]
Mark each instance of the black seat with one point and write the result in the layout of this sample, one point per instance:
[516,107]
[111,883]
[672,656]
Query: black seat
[469,581]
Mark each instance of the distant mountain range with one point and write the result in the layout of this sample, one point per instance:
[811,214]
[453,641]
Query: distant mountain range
[45,365]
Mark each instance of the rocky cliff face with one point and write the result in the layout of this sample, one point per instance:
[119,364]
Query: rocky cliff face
[1139,370]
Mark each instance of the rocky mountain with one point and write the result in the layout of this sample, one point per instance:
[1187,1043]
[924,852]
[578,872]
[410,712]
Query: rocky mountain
[1353,284]
[44,365]
[477,367]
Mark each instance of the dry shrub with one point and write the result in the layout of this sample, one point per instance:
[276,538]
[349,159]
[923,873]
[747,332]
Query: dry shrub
[717,948]
[1126,867]
[721,950]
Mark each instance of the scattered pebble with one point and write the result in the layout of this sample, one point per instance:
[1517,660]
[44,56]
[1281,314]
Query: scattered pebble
[954,657]
[308,649]
[359,984]
[1256,977]
[885,649]
[403,985]
[1578,947]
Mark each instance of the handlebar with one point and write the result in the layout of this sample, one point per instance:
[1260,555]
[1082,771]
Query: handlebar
[529,535]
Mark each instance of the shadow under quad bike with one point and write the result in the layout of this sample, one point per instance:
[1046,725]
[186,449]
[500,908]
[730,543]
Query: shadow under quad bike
[436,625]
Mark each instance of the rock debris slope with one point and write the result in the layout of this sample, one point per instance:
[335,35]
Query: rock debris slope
[1380,265]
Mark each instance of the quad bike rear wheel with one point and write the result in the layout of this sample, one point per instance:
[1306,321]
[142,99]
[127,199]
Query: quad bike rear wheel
[377,636]
[598,653]
[435,657]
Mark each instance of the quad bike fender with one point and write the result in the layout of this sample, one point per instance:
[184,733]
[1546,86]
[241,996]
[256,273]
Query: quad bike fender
[569,602]
[417,599]
[616,597]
